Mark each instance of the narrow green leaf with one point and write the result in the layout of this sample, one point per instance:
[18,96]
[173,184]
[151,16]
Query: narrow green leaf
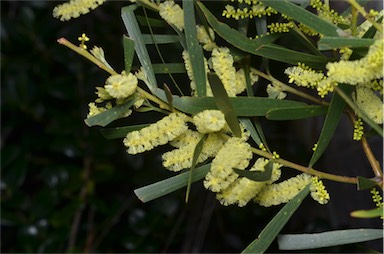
[153,22]
[168,93]
[120,132]
[164,187]
[246,122]
[296,113]
[160,38]
[243,106]
[169,68]
[130,22]
[365,183]
[193,47]
[261,46]
[303,16]
[259,176]
[129,52]
[224,104]
[366,214]
[327,43]
[195,159]
[332,119]
[269,233]
[110,115]
[326,239]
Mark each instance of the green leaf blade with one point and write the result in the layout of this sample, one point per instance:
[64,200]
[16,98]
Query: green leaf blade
[296,113]
[129,52]
[130,22]
[193,47]
[332,119]
[164,187]
[224,104]
[303,16]
[269,233]
[110,115]
[328,43]
[327,239]
[120,132]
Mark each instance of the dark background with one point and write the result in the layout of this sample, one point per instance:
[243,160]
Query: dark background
[64,188]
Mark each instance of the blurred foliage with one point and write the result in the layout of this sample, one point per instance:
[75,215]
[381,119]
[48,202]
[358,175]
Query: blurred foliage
[64,188]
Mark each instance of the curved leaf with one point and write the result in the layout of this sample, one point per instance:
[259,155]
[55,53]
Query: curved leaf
[259,176]
[365,214]
[326,239]
[129,52]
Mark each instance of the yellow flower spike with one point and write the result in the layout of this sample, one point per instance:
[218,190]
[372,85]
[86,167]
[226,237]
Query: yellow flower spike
[121,86]
[318,191]
[75,8]
[358,131]
[172,14]
[83,38]
[377,199]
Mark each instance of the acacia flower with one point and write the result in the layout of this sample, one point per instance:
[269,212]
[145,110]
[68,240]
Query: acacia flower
[156,134]
[75,8]
[243,189]
[172,14]
[359,71]
[358,130]
[370,103]
[282,192]
[208,121]
[95,110]
[302,75]
[122,85]
[318,191]
[222,63]
[235,153]
[181,158]
[206,39]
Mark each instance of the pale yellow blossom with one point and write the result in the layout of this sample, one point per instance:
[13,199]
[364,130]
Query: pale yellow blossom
[172,14]
[75,8]
[121,86]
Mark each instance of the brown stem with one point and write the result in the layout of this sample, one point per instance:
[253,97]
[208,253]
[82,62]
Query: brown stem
[320,174]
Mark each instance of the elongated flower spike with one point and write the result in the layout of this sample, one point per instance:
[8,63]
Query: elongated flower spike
[75,8]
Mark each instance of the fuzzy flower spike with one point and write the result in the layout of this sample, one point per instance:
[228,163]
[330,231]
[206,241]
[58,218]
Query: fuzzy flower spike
[75,8]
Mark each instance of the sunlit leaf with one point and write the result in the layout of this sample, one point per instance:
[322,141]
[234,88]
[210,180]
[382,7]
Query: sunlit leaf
[110,115]
[224,104]
[164,187]
[326,239]
[269,233]
[296,113]
[120,132]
